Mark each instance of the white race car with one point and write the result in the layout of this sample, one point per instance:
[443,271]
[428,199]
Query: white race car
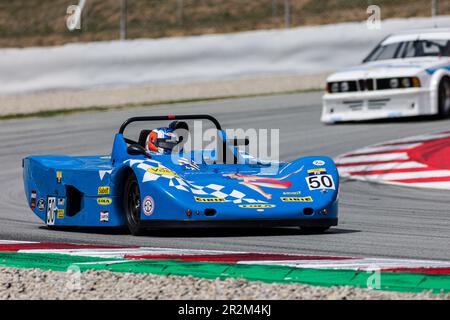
[407,74]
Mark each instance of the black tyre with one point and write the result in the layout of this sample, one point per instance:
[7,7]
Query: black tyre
[444,98]
[314,230]
[132,205]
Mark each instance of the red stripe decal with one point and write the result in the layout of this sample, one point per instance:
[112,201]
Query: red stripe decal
[363,173]
[50,245]
[407,142]
[349,155]
[420,270]
[367,163]
[232,258]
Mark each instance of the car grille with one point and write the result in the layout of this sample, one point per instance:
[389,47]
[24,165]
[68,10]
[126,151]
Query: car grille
[377,103]
[354,104]
[372,84]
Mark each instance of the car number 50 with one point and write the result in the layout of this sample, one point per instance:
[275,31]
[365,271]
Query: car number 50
[321,181]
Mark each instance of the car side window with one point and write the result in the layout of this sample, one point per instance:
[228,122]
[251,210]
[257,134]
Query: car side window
[422,48]
[430,48]
[386,52]
[410,49]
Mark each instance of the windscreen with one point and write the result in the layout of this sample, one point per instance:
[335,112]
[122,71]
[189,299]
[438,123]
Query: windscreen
[410,49]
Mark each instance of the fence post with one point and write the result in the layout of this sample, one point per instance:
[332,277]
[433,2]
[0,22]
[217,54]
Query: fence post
[180,6]
[287,13]
[274,8]
[434,8]
[123,19]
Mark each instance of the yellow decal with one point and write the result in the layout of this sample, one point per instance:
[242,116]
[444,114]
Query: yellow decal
[297,199]
[104,201]
[103,190]
[58,176]
[317,171]
[162,171]
[198,199]
[60,214]
[257,206]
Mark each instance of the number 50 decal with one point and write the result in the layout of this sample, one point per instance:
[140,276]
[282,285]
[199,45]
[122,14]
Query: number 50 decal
[320,181]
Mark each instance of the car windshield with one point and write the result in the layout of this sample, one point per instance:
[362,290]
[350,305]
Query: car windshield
[410,49]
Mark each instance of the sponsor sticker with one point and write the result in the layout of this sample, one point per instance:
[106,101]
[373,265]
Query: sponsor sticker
[104,201]
[59,176]
[60,214]
[104,216]
[51,208]
[297,199]
[162,171]
[257,206]
[41,204]
[199,199]
[318,162]
[61,202]
[317,171]
[103,190]
[149,205]
[33,199]
[292,193]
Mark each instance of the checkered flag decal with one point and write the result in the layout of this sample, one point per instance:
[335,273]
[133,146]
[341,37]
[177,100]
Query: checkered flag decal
[175,181]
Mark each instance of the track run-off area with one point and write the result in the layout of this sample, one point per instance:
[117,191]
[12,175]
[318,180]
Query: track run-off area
[376,221]
[421,161]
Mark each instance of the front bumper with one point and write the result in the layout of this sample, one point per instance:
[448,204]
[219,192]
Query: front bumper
[255,223]
[381,104]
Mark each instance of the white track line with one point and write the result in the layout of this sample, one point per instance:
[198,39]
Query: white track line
[422,138]
[374,149]
[382,166]
[15,242]
[121,252]
[373,158]
[362,264]
[431,185]
[409,175]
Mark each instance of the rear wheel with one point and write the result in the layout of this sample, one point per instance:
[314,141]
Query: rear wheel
[444,98]
[132,205]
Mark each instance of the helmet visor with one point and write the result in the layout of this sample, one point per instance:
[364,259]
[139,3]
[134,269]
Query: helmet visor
[166,143]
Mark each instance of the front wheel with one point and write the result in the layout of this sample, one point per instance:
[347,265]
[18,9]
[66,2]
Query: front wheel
[132,205]
[444,98]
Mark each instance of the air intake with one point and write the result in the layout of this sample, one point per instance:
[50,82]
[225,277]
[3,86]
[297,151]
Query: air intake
[210,212]
[74,197]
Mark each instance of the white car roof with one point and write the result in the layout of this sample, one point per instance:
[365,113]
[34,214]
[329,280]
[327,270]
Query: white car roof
[428,34]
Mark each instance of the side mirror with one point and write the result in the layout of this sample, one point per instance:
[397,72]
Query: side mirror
[136,149]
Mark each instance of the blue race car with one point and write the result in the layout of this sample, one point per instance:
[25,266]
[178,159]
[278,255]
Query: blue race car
[145,184]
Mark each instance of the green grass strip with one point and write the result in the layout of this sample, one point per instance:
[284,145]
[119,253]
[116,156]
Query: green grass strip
[389,281]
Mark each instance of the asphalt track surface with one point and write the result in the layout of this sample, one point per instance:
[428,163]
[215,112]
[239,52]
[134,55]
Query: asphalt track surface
[375,220]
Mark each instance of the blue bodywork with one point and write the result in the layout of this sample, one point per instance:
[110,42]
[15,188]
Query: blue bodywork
[88,190]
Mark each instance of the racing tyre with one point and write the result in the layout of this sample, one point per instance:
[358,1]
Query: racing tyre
[132,205]
[314,230]
[444,98]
